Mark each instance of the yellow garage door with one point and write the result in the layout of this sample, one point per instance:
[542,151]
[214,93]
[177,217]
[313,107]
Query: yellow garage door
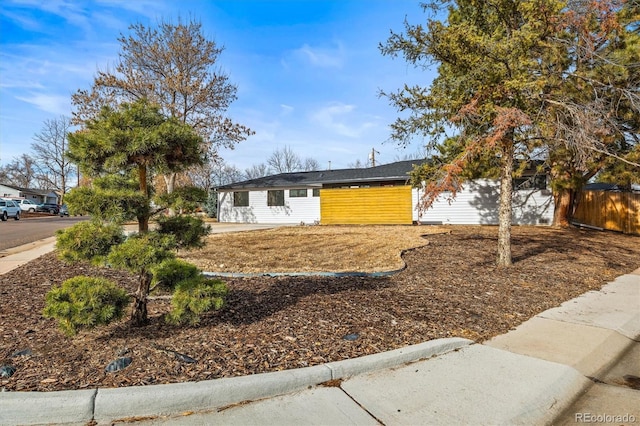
[386,205]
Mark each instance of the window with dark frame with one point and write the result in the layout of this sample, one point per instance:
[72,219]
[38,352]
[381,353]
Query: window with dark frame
[241,199]
[293,193]
[530,182]
[316,192]
[275,198]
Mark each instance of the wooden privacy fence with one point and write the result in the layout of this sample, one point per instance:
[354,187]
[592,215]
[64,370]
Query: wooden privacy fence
[616,211]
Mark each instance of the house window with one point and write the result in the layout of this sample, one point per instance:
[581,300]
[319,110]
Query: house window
[275,197]
[241,199]
[530,182]
[316,192]
[297,193]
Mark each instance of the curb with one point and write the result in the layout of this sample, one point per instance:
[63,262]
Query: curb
[303,274]
[39,408]
[613,307]
[29,246]
[18,256]
[105,405]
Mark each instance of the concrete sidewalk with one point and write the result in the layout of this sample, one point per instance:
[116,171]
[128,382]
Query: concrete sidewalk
[18,256]
[531,375]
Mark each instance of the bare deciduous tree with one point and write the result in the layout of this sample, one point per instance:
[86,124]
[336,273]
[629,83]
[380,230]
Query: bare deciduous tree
[284,161]
[225,174]
[310,164]
[173,66]
[257,171]
[49,150]
[357,165]
[214,173]
[21,171]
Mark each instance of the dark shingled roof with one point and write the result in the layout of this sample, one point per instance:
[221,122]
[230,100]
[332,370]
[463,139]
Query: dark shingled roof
[27,190]
[386,172]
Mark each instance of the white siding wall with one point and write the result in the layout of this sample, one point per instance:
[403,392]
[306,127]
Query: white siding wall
[477,203]
[5,191]
[295,209]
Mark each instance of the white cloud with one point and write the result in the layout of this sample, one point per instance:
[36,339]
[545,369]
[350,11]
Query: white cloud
[285,109]
[148,8]
[70,11]
[25,22]
[54,104]
[322,57]
[21,83]
[339,118]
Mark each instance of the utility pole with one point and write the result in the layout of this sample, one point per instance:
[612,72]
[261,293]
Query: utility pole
[372,157]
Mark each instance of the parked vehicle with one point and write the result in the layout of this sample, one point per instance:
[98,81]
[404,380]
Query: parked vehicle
[48,208]
[26,205]
[9,208]
[64,211]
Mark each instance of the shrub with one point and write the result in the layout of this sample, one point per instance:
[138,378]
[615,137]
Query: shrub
[195,296]
[85,302]
[90,241]
[110,199]
[185,199]
[170,272]
[211,205]
[188,231]
[140,252]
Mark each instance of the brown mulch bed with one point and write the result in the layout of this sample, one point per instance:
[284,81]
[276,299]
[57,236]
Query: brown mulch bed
[449,288]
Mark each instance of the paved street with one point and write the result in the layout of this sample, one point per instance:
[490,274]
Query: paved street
[15,233]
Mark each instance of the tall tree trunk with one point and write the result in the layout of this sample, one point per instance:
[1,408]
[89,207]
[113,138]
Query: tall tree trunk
[170,181]
[63,184]
[143,221]
[143,224]
[505,209]
[139,310]
[563,201]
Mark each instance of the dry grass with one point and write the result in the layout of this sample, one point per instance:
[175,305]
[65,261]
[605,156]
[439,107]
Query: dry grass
[311,249]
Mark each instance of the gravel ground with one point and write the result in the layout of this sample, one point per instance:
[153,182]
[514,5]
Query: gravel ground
[450,287]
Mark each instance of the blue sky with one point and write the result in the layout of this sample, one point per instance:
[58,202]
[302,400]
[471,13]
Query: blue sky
[308,72]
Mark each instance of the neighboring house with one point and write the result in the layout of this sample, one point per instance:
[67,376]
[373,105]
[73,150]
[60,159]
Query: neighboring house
[611,187]
[375,195]
[38,196]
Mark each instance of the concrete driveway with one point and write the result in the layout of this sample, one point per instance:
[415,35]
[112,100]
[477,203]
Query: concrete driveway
[218,228]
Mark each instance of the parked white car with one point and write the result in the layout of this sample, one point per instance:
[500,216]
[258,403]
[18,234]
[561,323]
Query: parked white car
[9,208]
[26,205]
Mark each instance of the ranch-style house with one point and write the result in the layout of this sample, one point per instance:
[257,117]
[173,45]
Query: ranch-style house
[376,195]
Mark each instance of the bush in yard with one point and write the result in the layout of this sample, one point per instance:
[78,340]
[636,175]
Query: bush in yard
[170,272]
[85,302]
[88,241]
[195,296]
[188,231]
[186,199]
[211,205]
